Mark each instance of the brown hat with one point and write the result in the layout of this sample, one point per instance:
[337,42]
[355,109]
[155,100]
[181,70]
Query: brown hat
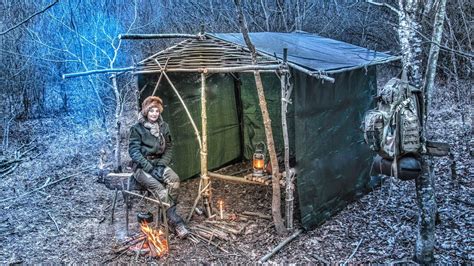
[150,102]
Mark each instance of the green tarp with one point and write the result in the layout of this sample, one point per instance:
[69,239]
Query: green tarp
[333,162]
[323,126]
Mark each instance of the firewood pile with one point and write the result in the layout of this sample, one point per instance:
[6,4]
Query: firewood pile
[225,228]
[216,231]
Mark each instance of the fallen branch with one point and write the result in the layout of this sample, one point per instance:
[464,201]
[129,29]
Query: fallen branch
[354,252]
[46,184]
[280,246]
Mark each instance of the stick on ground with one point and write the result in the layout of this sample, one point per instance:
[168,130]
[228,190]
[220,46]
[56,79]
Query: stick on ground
[280,246]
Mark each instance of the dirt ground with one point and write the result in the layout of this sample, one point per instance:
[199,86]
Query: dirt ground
[69,221]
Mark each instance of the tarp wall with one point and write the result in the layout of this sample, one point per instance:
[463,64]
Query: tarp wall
[332,161]
[254,131]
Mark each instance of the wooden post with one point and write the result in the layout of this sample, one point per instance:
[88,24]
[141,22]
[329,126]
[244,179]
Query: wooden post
[276,201]
[205,177]
[285,98]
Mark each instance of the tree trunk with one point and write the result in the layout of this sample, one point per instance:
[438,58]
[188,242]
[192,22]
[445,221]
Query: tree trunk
[410,43]
[118,146]
[276,196]
[425,189]
[425,199]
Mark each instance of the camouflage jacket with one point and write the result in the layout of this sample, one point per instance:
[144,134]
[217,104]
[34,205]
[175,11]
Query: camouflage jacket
[147,150]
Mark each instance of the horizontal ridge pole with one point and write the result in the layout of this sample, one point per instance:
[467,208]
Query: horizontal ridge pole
[312,74]
[156,36]
[97,71]
[270,68]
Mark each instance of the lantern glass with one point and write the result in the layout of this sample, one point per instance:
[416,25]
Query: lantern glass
[258,163]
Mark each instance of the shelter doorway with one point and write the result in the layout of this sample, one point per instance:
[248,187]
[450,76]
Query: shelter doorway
[235,124]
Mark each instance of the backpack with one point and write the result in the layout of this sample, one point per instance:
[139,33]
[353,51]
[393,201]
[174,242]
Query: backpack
[393,128]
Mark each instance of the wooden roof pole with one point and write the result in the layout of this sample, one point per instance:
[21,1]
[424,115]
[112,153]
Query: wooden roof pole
[285,99]
[98,71]
[276,201]
[196,131]
[157,36]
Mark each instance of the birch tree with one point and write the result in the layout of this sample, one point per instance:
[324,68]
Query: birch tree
[409,13]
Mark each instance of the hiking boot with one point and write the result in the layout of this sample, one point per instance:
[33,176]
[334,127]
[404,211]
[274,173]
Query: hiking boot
[181,230]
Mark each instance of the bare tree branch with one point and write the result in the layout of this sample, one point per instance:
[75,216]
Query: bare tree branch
[30,17]
[385,5]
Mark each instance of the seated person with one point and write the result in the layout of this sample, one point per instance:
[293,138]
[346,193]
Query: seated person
[150,147]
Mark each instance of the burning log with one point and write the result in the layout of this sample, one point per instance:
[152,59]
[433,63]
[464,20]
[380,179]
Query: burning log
[155,240]
[150,241]
[129,243]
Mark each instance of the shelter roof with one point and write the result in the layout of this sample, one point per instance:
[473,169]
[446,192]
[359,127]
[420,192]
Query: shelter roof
[193,55]
[227,52]
[311,51]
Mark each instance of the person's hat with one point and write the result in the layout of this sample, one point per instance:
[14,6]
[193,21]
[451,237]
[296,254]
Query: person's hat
[150,102]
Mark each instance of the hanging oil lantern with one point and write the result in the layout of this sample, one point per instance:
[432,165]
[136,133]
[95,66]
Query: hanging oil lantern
[258,161]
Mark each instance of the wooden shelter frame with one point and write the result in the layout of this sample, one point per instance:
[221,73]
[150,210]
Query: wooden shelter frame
[204,54]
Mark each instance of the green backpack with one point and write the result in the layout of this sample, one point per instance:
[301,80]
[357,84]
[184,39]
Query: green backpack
[393,128]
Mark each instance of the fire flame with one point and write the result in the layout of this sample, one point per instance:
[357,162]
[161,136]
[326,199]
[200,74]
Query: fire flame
[155,240]
[258,164]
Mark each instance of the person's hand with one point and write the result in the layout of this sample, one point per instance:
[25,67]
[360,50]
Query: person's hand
[158,172]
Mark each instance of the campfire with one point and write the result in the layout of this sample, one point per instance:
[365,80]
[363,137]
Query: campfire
[154,241]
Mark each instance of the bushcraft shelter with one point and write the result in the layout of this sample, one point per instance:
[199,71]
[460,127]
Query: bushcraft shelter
[332,162]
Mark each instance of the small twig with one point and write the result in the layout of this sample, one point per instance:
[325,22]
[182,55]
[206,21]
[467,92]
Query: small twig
[56,224]
[9,171]
[325,262]
[354,252]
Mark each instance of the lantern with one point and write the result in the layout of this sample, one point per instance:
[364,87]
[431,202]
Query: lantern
[258,161]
